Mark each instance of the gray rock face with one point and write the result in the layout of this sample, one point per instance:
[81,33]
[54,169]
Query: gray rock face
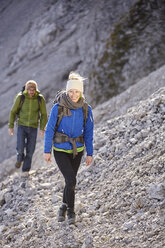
[112,43]
[44,41]
[120,198]
[131,51]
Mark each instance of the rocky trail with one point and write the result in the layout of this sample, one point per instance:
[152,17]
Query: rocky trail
[120,198]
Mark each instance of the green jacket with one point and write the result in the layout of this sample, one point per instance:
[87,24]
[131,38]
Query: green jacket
[31,114]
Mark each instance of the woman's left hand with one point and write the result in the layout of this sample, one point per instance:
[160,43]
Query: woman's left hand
[89,160]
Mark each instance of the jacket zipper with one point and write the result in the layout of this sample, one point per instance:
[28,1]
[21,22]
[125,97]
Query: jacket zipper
[30,111]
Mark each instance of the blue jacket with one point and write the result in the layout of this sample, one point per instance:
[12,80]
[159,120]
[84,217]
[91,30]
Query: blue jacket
[73,127]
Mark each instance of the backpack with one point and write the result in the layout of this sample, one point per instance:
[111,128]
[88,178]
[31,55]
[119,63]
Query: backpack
[22,99]
[60,112]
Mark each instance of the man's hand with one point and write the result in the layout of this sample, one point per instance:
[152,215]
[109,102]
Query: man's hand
[89,160]
[47,157]
[42,132]
[11,131]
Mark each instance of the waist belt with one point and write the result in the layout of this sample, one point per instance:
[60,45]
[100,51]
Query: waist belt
[62,138]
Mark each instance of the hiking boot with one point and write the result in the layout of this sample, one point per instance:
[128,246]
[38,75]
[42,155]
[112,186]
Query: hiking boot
[62,213]
[71,216]
[18,165]
[25,174]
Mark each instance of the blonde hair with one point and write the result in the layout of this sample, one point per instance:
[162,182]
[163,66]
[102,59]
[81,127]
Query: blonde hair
[31,82]
[75,76]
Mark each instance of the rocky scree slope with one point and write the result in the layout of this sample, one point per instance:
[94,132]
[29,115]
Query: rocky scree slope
[140,91]
[120,199]
[114,107]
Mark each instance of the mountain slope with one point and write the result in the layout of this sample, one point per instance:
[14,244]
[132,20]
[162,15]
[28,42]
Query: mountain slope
[44,41]
[120,198]
[112,43]
[114,107]
[140,91]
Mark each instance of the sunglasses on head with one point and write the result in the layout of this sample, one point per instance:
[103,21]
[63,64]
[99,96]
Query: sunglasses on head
[31,87]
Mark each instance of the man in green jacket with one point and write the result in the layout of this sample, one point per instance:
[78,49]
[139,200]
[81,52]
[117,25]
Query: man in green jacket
[30,115]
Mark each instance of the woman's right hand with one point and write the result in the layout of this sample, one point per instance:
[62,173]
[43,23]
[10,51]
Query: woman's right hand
[47,157]
[89,160]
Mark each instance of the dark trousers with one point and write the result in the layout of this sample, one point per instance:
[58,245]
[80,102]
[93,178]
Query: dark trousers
[69,168]
[26,140]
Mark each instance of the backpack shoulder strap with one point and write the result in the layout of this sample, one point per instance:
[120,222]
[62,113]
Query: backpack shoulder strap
[22,99]
[85,113]
[39,100]
[59,118]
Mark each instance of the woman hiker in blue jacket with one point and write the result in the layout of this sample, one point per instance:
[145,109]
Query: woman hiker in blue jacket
[74,129]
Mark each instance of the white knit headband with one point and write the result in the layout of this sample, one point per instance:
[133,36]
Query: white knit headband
[75,85]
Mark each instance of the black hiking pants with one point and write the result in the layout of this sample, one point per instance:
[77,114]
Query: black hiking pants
[69,168]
